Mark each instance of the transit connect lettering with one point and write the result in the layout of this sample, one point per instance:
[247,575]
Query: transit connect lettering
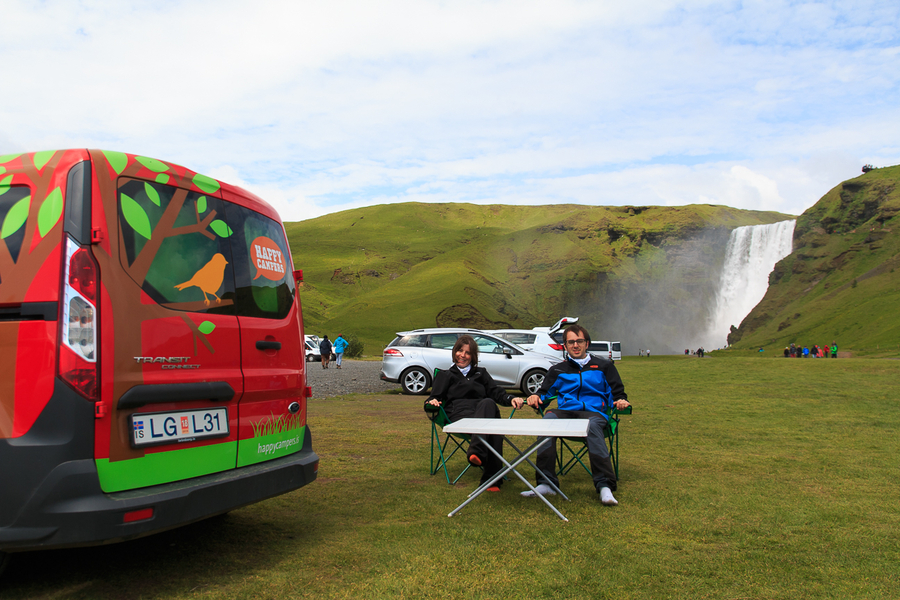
[282,445]
[166,362]
[161,359]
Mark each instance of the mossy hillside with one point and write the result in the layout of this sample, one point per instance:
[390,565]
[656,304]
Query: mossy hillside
[842,281]
[383,269]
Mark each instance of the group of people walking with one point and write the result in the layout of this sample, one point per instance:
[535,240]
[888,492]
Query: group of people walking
[583,385]
[327,348]
[816,351]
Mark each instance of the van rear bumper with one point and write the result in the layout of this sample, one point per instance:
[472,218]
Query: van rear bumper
[69,509]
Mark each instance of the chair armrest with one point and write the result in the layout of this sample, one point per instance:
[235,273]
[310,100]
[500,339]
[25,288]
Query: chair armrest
[624,411]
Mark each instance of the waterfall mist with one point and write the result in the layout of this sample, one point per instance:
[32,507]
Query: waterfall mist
[691,295]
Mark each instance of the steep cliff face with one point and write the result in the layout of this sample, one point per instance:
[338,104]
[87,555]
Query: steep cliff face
[841,282]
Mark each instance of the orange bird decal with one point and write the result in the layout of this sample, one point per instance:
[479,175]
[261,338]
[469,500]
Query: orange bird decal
[209,278]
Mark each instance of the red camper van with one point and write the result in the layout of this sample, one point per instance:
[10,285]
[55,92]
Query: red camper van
[152,368]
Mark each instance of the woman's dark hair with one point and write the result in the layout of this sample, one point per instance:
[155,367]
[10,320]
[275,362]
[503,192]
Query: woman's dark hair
[466,340]
[578,330]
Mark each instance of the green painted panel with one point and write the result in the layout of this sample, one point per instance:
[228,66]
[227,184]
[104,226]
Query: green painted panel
[266,447]
[50,211]
[165,467]
[206,184]
[117,160]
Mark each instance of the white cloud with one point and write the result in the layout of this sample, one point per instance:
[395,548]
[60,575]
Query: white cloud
[326,106]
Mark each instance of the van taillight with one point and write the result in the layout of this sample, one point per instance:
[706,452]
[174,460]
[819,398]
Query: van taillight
[78,326]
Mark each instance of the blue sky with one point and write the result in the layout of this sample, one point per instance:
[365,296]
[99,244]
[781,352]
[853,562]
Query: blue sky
[320,107]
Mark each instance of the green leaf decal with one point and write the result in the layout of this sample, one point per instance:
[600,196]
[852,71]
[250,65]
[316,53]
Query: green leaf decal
[201,204]
[117,160]
[206,327]
[207,184]
[15,218]
[5,183]
[151,193]
[162,178]
[2,170]
[42,158]
[221,228]
[136,216]
[9,157]
[153,164]
[50,211]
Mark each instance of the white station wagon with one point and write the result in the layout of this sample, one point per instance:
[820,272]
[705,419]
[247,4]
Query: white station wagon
[411,358]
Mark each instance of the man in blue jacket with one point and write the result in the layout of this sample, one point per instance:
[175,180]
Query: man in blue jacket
[584,387]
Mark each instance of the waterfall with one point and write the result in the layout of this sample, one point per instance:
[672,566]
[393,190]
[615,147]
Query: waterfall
[750,256]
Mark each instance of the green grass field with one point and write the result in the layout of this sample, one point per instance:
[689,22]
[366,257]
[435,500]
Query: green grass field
[751,477]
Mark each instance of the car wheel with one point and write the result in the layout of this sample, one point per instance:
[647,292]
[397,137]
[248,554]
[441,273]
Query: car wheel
[532,381]
[415,381]
[4,561]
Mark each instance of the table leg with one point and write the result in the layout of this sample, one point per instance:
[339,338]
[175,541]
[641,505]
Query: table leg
[511,467]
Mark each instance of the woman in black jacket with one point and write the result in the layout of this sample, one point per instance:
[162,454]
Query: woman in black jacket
[467,390]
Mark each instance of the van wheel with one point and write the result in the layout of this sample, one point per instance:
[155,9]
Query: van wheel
[531,383]
[415,381]
[310,358]
[4,561]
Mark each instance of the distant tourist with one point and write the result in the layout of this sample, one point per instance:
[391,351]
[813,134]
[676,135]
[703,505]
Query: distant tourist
[787,352]
[340,344]
[833,349]
[325,351]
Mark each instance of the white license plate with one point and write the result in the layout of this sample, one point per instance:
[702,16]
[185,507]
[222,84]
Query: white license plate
[178,427]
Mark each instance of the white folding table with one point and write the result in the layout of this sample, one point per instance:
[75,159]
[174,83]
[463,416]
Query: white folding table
[545,429]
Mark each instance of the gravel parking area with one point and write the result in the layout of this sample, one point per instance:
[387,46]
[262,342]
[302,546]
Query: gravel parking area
[354,377]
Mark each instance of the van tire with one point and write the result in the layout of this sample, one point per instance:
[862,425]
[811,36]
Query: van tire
[415,381]
[4,561]
[531,383]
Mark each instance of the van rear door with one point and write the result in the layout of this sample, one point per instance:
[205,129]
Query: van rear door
[273,406]
[170,341]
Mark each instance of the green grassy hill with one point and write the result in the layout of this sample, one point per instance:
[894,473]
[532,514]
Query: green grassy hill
[382,269]
[841,282]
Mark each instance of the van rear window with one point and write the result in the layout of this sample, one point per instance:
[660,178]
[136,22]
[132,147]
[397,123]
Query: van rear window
[264,283]
[176,246]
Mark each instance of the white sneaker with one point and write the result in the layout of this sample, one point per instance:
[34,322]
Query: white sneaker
[543,489]
[607,498]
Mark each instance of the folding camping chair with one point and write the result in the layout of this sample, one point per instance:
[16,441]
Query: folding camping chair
[578,449]
[455,441]
[450,445]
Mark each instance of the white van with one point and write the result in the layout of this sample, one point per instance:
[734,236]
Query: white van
[610,350]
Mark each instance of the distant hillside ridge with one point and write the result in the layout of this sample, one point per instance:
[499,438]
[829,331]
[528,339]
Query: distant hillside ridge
[642,274]
[842,281]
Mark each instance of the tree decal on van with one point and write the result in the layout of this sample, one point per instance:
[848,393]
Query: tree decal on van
[19,219]
[31,208]
[164,226]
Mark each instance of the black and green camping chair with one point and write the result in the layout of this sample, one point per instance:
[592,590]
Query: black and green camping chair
[573,451]
[442,450]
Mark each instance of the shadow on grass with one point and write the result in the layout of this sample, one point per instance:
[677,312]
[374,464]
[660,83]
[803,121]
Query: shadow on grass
[202,556]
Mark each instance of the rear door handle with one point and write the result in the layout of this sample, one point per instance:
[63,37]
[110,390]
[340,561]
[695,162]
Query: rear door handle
[266,345]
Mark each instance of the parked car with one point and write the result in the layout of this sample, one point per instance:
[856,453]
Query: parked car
[546,340]
[536,341]
[411,358]
[150,326]
[312,348]
[610,350]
